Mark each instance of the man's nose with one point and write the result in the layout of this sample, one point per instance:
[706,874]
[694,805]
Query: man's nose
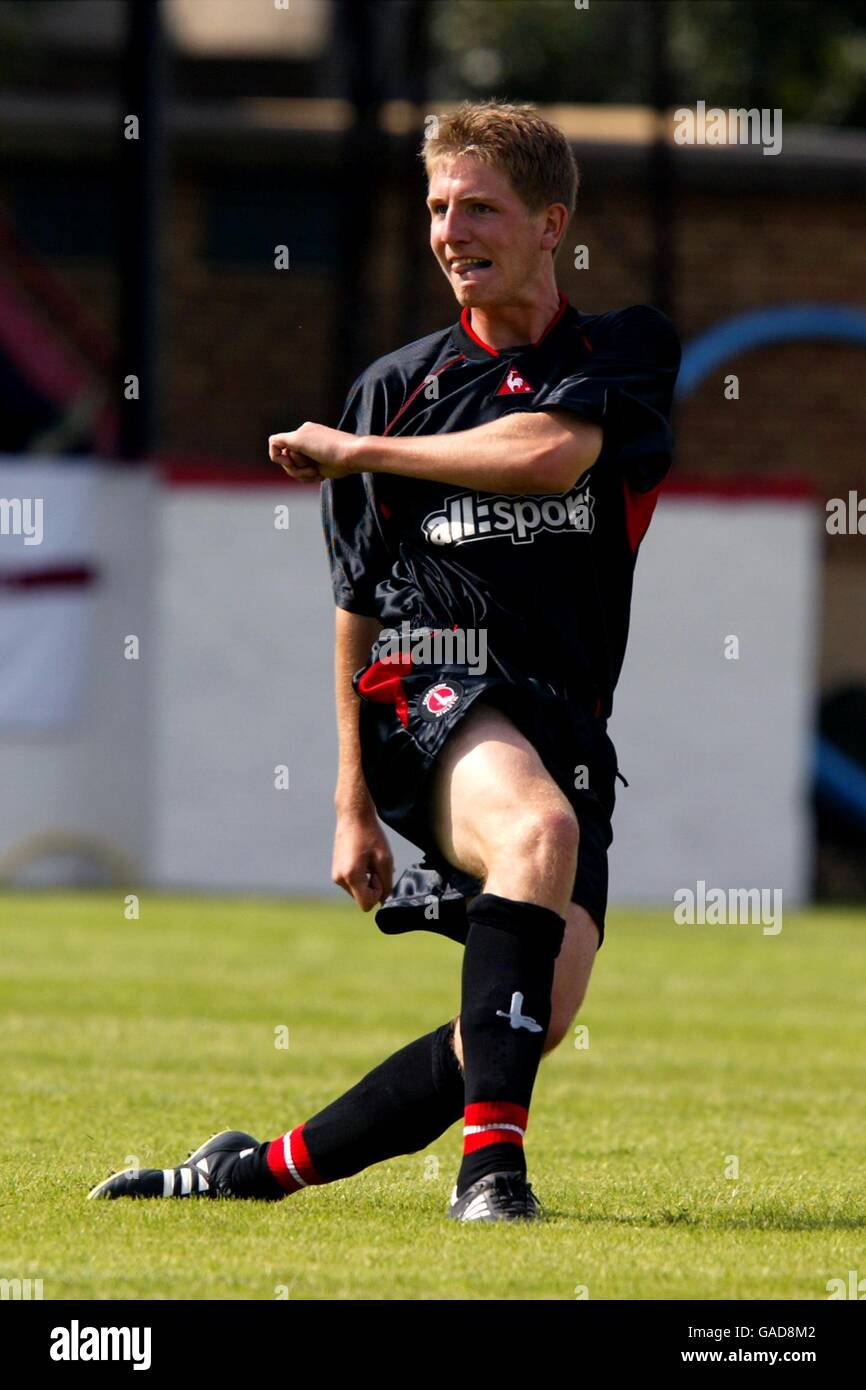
[453,229]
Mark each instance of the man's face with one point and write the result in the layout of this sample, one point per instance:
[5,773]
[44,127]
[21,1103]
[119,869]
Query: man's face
[475,215]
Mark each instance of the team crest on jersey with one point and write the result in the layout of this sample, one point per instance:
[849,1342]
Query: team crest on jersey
[440,699]
[477,516]
[514,384]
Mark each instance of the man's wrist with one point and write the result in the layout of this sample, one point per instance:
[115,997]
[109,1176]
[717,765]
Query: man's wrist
[359,454]
[354,800]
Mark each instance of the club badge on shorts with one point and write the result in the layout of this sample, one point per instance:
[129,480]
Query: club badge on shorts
[440,699]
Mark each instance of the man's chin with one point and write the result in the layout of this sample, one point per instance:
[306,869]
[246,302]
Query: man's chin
[475,296]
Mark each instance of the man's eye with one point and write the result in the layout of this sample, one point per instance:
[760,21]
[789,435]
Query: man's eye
[486,207]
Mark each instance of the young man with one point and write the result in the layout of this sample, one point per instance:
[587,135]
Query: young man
[492,481]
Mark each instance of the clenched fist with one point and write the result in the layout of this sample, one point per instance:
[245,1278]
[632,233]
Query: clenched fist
[312,452]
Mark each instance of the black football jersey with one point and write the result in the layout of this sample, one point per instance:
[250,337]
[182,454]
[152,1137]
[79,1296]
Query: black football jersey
[547,577]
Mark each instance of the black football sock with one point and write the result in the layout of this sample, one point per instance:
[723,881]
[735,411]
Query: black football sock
[399,1107]
[508,965]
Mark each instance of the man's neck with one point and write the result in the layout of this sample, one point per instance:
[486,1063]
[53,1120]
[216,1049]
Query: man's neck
[510,325]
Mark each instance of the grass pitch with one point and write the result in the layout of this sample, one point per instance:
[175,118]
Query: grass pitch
[707,1144]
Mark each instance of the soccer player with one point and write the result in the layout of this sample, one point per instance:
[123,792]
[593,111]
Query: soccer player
[488,485]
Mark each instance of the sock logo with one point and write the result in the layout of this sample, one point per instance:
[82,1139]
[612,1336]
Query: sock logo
[516,1017]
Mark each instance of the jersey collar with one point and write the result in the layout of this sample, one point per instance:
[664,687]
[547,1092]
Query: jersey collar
[475,348]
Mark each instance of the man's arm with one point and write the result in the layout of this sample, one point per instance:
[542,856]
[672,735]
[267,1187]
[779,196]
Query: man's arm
[354,637]
[360,846]
[525,452]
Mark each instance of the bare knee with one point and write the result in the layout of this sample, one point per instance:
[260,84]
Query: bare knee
[532,854]
[549,832]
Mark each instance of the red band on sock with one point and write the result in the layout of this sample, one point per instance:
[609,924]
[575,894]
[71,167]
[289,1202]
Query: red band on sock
[485,1137]
[289,1161]
[484,1112]
[493,1122]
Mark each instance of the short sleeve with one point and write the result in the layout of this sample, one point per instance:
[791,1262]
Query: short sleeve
[626,384]
[357,552]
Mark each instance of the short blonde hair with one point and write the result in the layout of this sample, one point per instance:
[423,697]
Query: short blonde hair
[513,138]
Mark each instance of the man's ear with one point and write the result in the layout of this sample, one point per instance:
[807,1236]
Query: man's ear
[556,225]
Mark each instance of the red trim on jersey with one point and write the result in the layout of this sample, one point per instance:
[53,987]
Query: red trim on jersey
[639,507]
[383,684]
[466,325]
[563,305]
[425,382]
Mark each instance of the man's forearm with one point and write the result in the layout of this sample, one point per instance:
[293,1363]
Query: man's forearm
[354,637]
[538,452]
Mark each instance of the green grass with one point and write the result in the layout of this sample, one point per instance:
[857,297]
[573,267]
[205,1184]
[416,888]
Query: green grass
[141,1038]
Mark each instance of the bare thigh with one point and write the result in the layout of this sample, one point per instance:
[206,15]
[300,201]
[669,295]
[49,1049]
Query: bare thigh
[498,814]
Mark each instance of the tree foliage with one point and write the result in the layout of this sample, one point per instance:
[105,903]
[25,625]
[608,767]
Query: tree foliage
[806,56]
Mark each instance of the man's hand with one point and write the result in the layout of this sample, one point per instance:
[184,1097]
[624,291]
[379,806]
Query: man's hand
[363,864]
[313,452]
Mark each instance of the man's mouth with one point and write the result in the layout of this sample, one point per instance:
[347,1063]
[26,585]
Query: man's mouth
[464,263]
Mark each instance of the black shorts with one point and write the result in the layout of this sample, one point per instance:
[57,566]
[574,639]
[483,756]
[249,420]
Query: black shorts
[407,713]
